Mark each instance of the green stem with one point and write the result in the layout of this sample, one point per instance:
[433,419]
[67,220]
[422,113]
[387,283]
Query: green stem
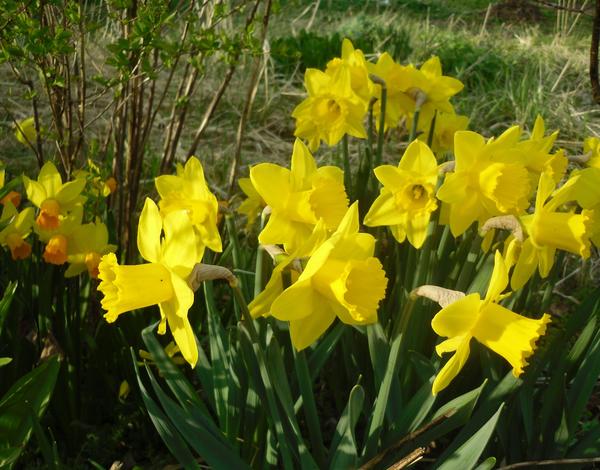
[382,107]
[260,255]
[415,123]
[466,274]
[398,343]
[310,407]
[431,130]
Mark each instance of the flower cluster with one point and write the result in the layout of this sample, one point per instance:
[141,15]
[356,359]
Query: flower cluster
[57,220]
[171,237]
[339,98]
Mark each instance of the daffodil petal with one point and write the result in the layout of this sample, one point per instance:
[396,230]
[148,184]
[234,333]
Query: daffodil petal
[458,318]
[36,193]
[298,301]
[179,250]
[149,229]
[499,279]
[70,191]
[452,367]
[306,331]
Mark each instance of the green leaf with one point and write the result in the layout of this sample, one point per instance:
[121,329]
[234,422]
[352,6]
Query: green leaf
[176,381]
[487,464]
[343,450]
[165,429]
[451,416]
[217,452]
[5,360]
[583,385]
[6,301]
[466,455]
[29,395]
[324,349]
[417,409]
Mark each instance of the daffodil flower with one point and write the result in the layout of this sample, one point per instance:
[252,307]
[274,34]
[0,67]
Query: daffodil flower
[188,191]
[489,179]
[507,333]
[253,204]
[14,234]
[398,103]
[341,279]
[592,145]
[52,197]
[407,198]
[446,125]
[89,242]
[299,198]
[331,110]
[261,304]
[538,158]
[25,131]
[162,281]
[354,60]
[583,186]
[548,231]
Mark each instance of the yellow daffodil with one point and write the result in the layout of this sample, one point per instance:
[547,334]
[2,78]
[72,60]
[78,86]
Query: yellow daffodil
[299,197]
[341,279]
[52,197]
[162,281]
[25,131]
[261,305]
[13,196]
[398,103]
[549,230]
[538,158]
[55,251]
[583,186]
[252,206]
[89,242]
[407,198]
[188,191]
[446,125]
[592,145]
[430,91]
[14,234]
[331,110]
[507,333]
[354,60]
[489,179]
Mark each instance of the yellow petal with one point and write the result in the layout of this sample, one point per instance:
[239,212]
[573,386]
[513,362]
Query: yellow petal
[499,279]
[508,334]
[70,191]
[50,179]
[299,301]
[525,266]
[384,211]
[416,228]
[179,250]
[182,333]
[303,167]
[452,367]
[36,193]
[458,318]
[272,182]
[419,159]
[261,304]
[467,147]
[149,229]
[306,331]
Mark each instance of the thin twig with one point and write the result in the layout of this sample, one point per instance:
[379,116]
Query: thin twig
[540,463]
[251,94]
